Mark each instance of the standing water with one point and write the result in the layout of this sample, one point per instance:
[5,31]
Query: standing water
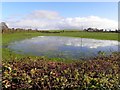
[63,47]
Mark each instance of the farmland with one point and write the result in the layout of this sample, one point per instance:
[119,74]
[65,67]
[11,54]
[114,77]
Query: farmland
[31,72]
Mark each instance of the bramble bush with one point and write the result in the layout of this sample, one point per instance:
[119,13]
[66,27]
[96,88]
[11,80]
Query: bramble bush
[39,74]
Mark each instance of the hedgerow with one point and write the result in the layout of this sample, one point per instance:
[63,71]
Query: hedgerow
[100,73]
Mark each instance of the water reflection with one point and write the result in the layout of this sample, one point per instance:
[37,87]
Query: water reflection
[64,47]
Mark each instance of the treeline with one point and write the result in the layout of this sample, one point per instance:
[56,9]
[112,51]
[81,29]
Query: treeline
[12,30]
[54,31]
[100,30]
[29,30]
[5,29]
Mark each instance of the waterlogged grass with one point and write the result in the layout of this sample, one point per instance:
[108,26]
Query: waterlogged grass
[8,37]
[11,37]
[101,73]
[93,35]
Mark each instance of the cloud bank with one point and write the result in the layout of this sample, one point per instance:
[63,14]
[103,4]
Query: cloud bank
[51,20]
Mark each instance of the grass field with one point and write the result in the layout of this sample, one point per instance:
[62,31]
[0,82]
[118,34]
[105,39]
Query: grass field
[23,72]
[8,37]
[11,37]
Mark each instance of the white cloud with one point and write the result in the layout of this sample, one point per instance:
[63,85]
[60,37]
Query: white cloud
[41,19]
[42,14]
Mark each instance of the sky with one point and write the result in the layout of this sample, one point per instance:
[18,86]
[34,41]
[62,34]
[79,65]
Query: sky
[60,15]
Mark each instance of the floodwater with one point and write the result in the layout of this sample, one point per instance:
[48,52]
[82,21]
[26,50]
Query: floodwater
[63,47]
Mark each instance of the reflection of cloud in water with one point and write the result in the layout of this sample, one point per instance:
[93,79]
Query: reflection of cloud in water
[53,42]
[55,46]
[50,44]
[91,43]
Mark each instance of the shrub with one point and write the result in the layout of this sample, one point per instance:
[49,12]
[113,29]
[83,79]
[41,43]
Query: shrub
[27,73]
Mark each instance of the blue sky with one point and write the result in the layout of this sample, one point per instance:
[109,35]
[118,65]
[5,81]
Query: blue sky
[17,10]
[66,9]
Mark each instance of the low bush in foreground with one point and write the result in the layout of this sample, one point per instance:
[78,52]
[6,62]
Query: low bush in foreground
[40,74]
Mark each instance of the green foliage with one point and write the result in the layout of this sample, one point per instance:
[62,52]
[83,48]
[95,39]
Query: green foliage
[28,73]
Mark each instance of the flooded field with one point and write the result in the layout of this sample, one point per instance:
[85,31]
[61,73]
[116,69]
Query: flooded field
[63,47]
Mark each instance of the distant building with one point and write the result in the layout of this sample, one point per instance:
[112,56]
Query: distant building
[3,27]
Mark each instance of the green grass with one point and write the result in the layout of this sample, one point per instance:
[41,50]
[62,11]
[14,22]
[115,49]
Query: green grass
[93,35]
[11,37]
[8,37]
